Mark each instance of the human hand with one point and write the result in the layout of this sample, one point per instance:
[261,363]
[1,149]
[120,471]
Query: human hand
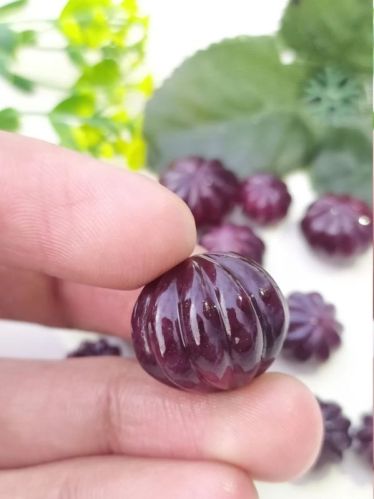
[77,239]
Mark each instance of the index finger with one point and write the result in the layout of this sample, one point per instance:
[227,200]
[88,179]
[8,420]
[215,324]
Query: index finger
[73,217]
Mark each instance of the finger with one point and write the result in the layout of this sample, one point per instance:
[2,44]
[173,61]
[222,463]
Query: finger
[33,297]
[72,217]
[114,478]
[87,407]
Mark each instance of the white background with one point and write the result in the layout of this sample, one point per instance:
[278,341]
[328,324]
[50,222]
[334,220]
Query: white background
[177,30]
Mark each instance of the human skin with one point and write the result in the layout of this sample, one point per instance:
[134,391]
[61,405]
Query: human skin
[78,239]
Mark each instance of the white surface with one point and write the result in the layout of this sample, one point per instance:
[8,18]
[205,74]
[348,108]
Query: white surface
[179,28]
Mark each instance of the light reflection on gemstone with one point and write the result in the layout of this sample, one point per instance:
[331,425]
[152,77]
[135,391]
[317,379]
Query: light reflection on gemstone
[364,220]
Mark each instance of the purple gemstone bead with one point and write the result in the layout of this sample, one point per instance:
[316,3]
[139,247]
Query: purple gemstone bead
[236,238]
[338,226]
[212,323]
[337,438]
[265,198]
[97,348]
[364,438]
[206,186]
[313,330]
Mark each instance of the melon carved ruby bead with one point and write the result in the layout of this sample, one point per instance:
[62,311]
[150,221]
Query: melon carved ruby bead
[265,198]
[214,322]
[207,187]
[338,226]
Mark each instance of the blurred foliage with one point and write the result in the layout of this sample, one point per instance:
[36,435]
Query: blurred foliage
[242,108]
[105,41]
[332,32]
[343,164]
[239,100]
[10,42]
[9,8]
[334,96]
[9,119]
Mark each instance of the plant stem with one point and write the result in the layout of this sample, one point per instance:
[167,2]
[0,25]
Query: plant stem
[42,48]
[27,21]
[114,24]
[35,113]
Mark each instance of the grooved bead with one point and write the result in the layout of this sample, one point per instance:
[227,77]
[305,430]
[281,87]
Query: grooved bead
[338,226]
[212,323]
[236,238]
[206,186]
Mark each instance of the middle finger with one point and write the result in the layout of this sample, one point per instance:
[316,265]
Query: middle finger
[114,478]
[82,407]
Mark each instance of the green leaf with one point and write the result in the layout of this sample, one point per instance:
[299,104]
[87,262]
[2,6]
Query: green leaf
[331,31]
[20,82]
[234,100]
[278,142]
[82,137]
[76,56]
[106,73]
[64,133]
[77,105]
[3,64]
[79,125]
[86,22]
[11,40]
[27,37]
[8,40]
[12,6]
[9,119]
[344,164]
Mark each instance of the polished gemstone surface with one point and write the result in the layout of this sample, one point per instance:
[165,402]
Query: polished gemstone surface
[337,437]
[265,198]
[212,323]
[338,225]
[206,186]
[313,330]
[237,238]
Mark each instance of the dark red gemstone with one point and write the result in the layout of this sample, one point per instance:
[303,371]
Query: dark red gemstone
[337,437]
[212,323]
[265,198]
[97,348]
[206,186]
[313,330]
[338,226]
[364,438]
[236,238]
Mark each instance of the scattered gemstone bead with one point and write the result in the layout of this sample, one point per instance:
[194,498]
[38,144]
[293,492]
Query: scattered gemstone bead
[96,349]
[206,186]
[265,198]
[313,329]
[338,226]
[337,437]
[236,238]
[364,438]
